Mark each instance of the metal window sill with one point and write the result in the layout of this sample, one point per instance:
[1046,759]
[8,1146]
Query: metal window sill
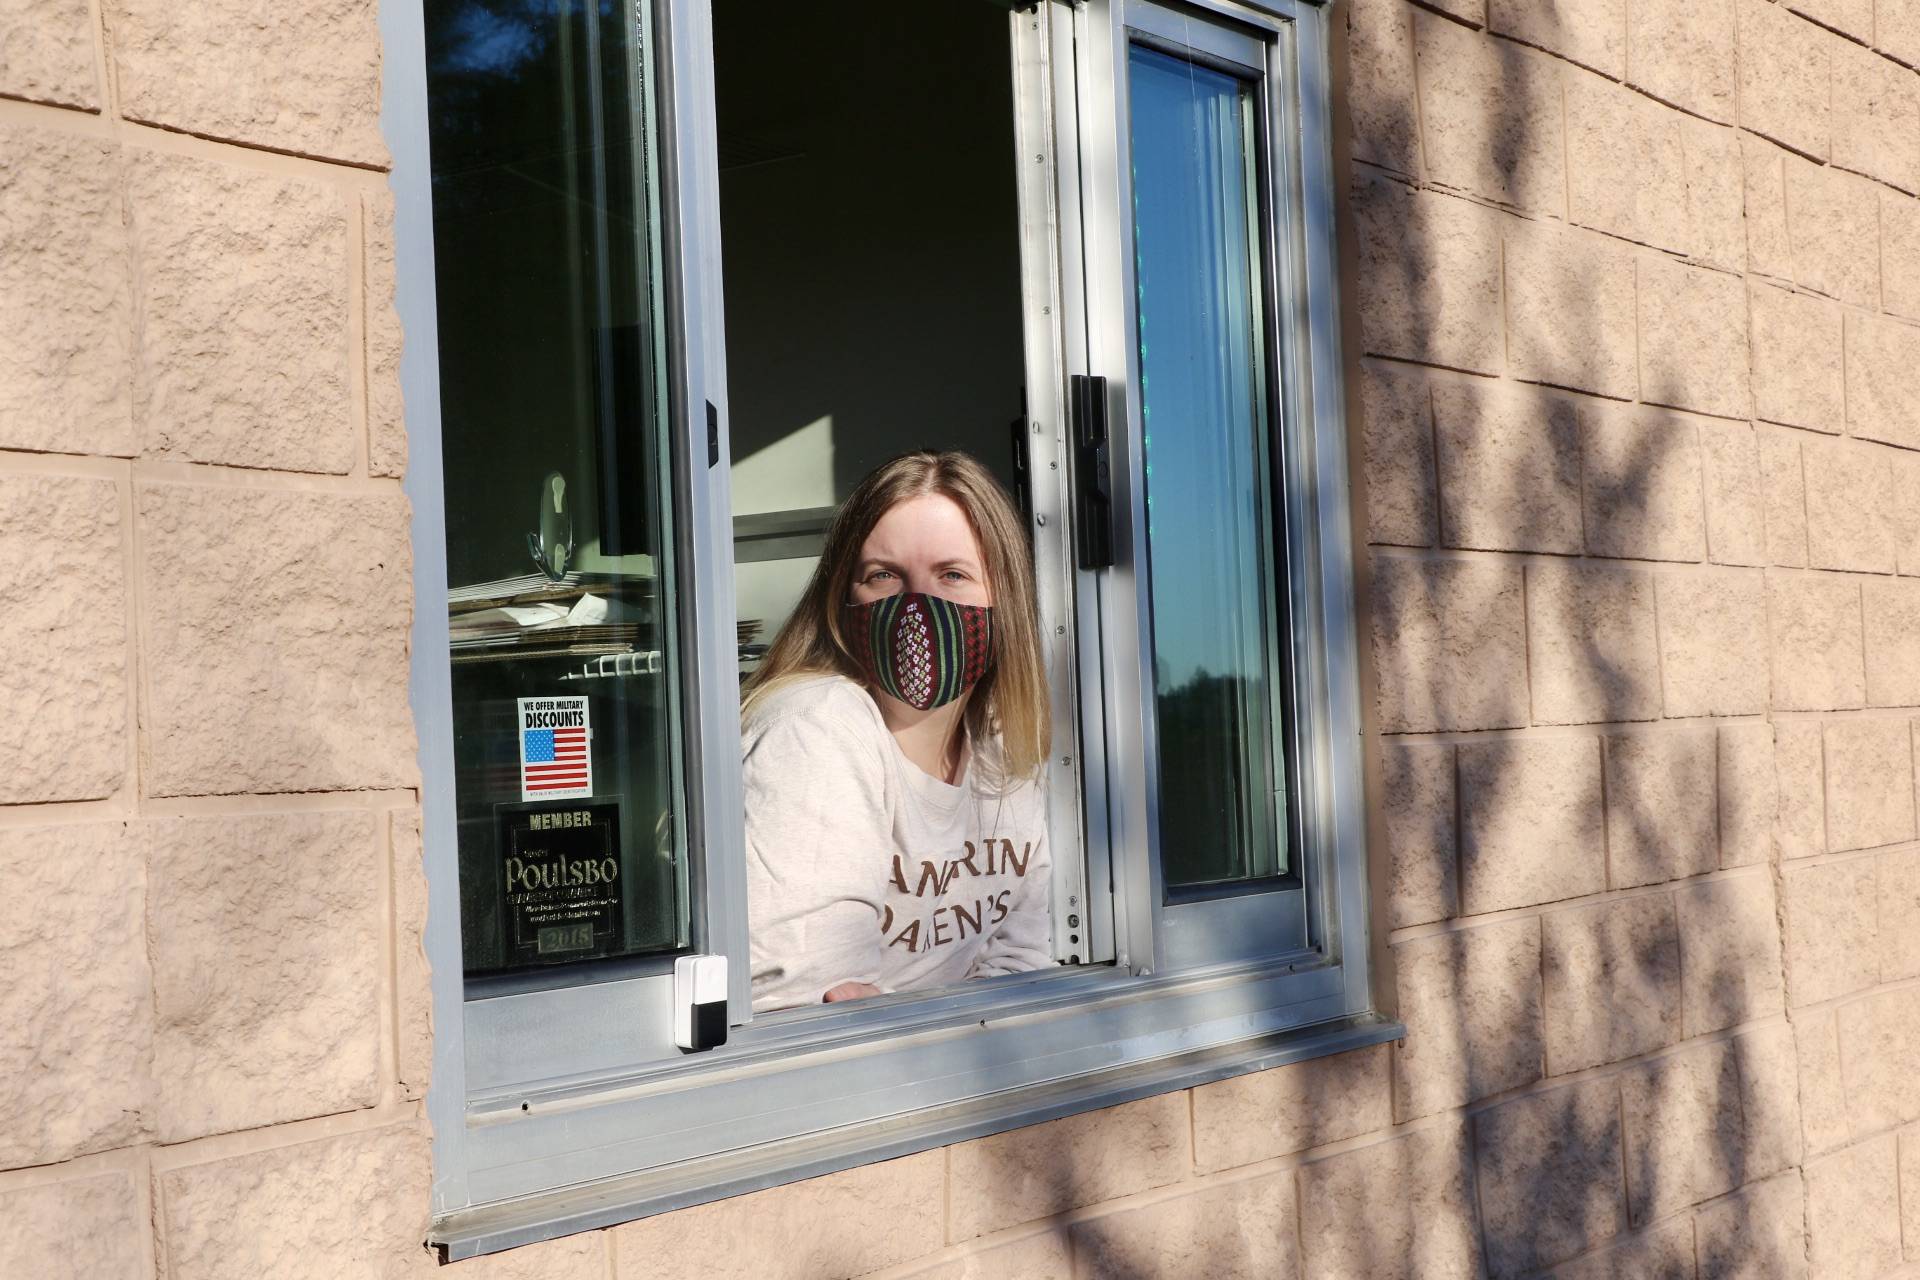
[608,1202]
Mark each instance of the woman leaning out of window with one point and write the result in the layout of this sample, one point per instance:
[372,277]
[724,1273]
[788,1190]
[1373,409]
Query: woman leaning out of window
[893,738]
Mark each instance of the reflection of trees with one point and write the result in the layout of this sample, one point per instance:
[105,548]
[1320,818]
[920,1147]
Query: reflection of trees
[1208,819]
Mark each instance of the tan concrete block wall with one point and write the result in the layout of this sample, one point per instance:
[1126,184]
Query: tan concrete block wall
[1636,434]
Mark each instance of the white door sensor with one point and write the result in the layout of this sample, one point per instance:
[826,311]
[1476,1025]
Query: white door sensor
[700,1002]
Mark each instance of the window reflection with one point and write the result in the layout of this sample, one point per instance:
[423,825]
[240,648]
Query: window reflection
[1211,543]
[558,551]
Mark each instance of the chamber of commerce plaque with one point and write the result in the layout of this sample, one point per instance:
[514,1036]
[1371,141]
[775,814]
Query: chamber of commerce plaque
[561,881]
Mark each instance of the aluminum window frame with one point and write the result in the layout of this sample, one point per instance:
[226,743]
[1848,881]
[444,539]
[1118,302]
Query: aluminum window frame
[533,1141]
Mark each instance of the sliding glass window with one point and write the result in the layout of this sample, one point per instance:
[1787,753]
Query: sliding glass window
[1218,661]
[561,602]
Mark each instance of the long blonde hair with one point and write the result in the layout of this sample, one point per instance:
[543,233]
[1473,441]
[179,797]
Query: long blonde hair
[1011,699]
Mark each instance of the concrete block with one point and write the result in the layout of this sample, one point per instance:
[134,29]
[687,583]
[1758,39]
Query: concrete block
[1756,1234]
[1736,495]
[1800,825]
[1509,465]
[1570,315]
[1849,505]
[1429,277]
[1661,806]
[1816,628]
[1472,12]
[1382,103]
[1896,29]
[386,414]
[1883,399]
[47,55]
[1693,338]
[1591,34]
[1449,645]
[1396,417]
[1036,1172]
[1490,116]
[1047,1255]
[1798,377]
[1713,642]
[1879,1043]
[84,1229]
[308,83]
[78,999]
[413,993]
[1748,794]
[1591,643]
[1612,979]
[66,291]
[1900,254]
[1471,1003]
[1404,1207]
[64,635]
[1686,1130]
[276,641]
[1831,925]
[1905,513]
[1664,1253]
[1550,1176]
[1729,954]
[1764,169]
[1876,113]
[1783,481]
[1531,825]
[1853,1211]
[1823,1094]
[351,1205]
[1423,882]
[1244,1230]
[1304,1104]
[1869,783]
[1626,170]
[1682,52]
[1898,887]
[1641,483]
[1769,1101]
[1854,17]
[844,1224]
[266,971]
[1785,73]
[1833,219]
[244,337]
[1715,177]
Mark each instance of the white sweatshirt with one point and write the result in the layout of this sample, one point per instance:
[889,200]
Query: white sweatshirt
[861,867]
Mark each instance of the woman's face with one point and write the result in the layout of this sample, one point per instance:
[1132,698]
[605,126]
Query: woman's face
[924,544]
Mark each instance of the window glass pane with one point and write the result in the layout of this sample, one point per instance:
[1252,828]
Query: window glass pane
[1210,532]
[546,244]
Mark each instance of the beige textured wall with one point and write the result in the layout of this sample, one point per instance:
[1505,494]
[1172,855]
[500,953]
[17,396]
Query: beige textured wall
[1636,412]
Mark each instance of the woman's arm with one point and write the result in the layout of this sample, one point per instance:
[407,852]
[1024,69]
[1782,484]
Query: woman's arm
[817,846]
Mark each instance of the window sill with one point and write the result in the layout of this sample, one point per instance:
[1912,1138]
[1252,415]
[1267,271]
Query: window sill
[613,1200]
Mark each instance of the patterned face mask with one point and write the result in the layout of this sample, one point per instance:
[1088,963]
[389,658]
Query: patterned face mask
[922,649]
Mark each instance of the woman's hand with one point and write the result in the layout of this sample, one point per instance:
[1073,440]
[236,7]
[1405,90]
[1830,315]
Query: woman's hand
[850,991]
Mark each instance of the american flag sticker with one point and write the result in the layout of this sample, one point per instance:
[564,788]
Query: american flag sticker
[555,763]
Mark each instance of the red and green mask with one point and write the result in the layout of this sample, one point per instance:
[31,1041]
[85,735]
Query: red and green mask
[922,649]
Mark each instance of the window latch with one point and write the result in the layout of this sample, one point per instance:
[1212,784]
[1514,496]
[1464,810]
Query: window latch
[1092,471]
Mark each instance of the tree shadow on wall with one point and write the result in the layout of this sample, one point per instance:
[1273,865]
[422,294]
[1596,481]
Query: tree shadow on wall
[1553,1171]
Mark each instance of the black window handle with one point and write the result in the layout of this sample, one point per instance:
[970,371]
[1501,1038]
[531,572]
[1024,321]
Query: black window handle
[1092,471]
